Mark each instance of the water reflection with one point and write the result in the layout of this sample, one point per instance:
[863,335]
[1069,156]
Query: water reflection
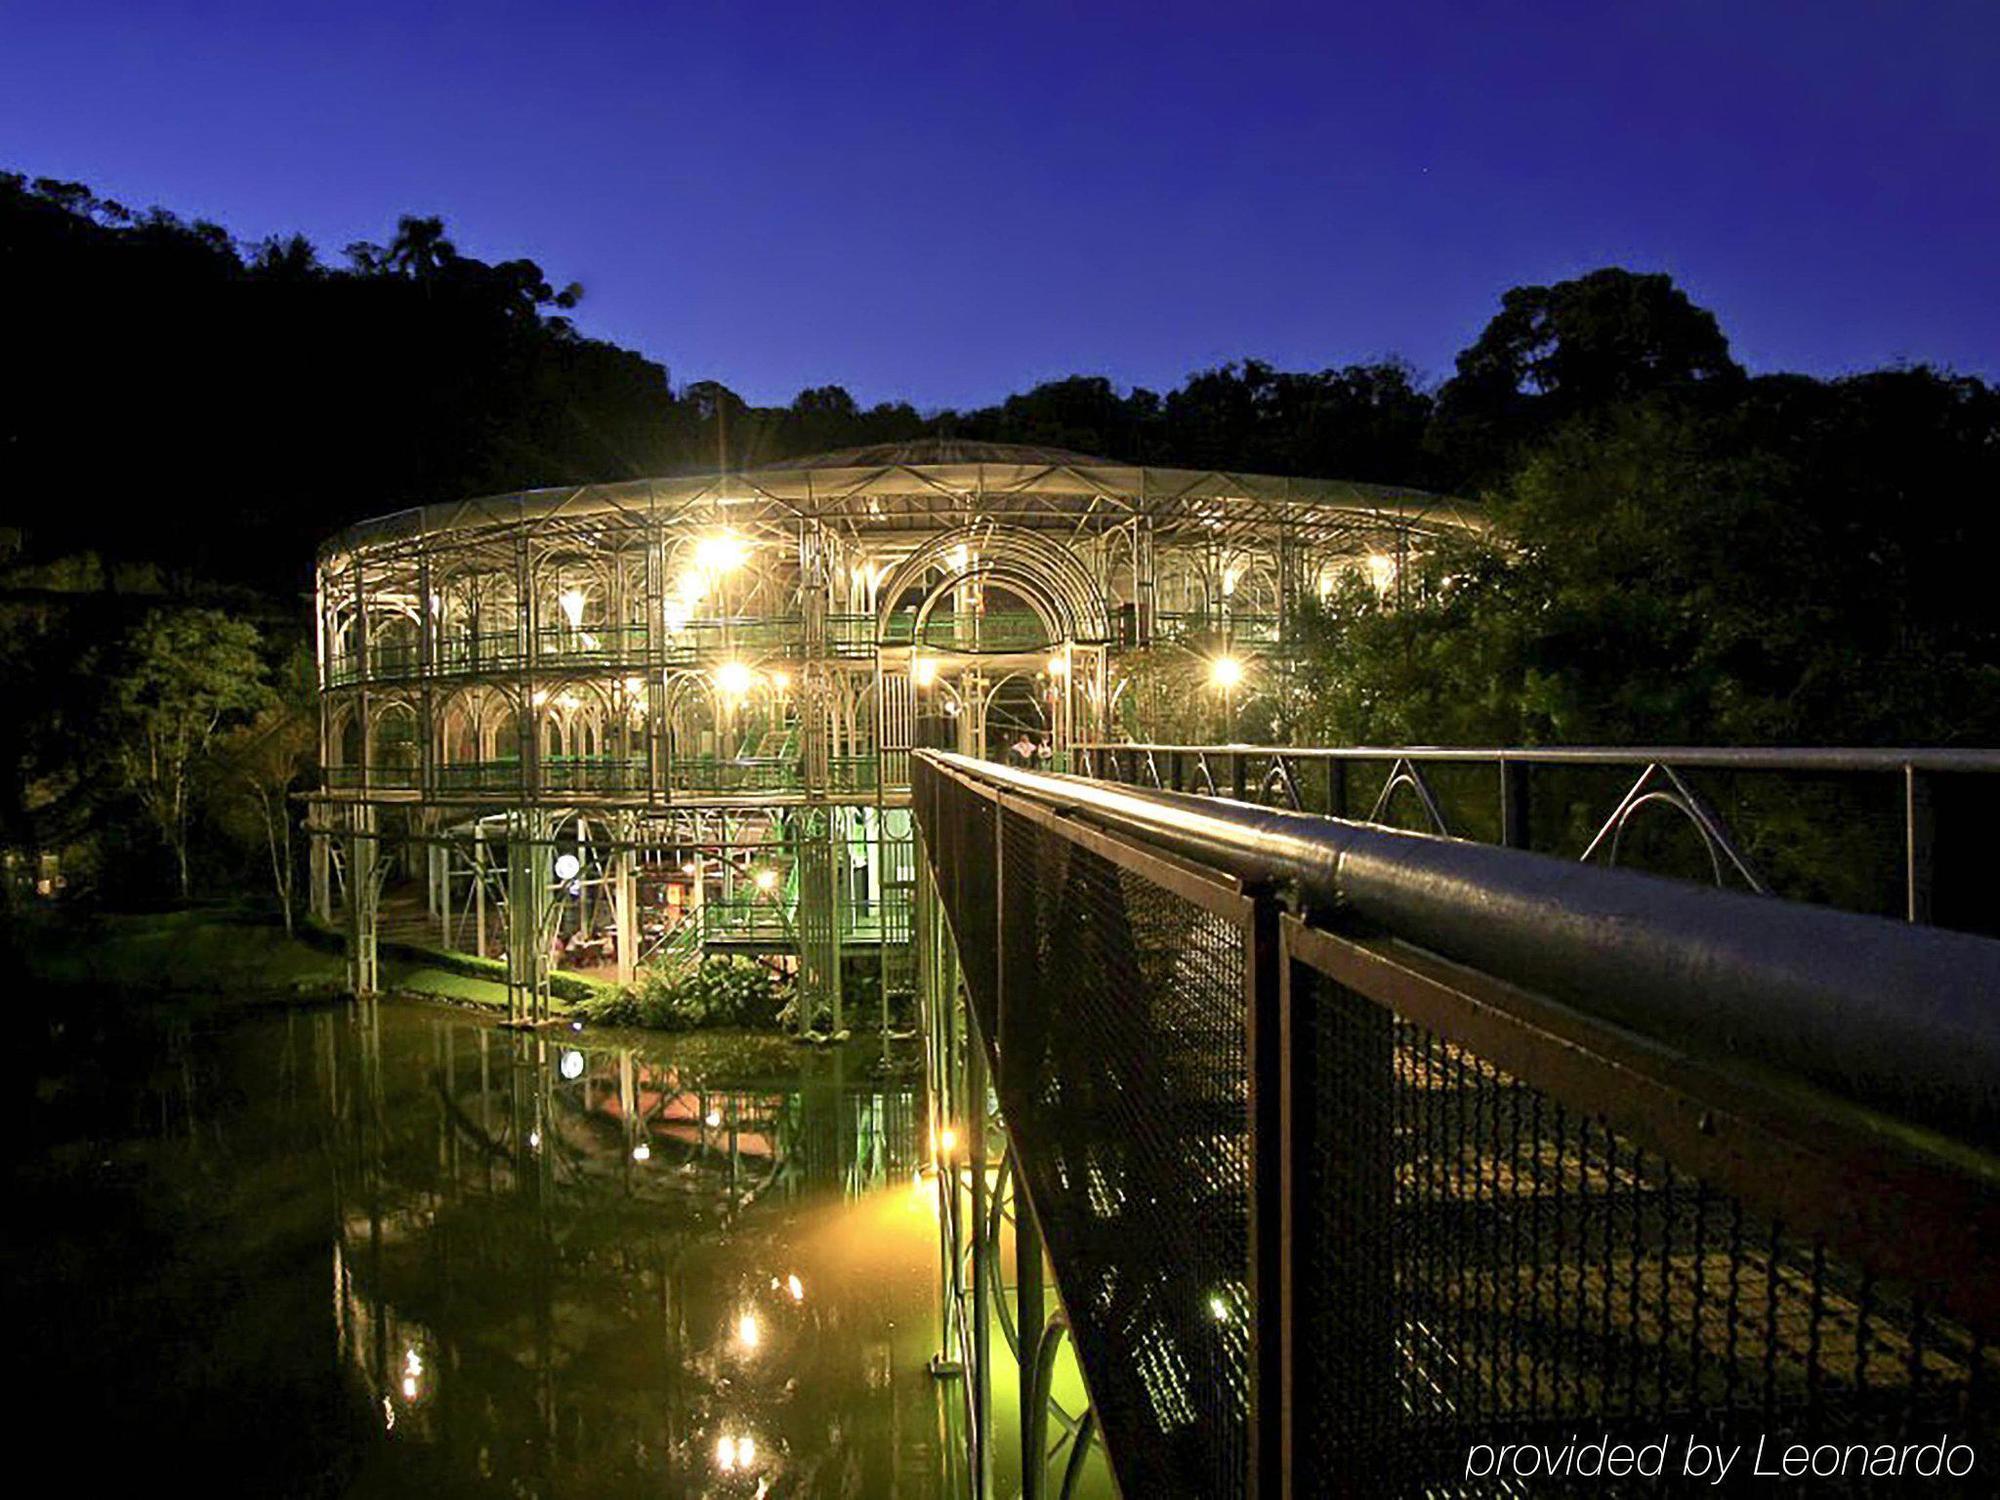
[393,1250]
[577,1264]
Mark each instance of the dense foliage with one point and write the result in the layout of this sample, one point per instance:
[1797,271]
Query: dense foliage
[719,992]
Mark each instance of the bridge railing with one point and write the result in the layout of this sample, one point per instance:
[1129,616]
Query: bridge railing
[1895,832]
[1354,1149]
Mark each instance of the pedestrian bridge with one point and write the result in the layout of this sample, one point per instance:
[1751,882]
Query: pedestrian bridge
[1342,1155]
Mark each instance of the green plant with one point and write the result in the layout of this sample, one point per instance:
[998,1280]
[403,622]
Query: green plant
[721,992]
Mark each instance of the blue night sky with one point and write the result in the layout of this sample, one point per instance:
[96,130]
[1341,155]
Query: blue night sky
[948,202]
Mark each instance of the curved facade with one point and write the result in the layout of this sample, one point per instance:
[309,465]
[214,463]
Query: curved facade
[703,691]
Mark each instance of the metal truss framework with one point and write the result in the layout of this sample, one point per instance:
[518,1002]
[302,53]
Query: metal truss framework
[767,648]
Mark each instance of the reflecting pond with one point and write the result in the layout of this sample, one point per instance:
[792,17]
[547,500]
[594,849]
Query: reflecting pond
[395,1250]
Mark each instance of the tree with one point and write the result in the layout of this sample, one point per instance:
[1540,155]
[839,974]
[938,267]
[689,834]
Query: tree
[182,677]
[261,762]
[1555,353]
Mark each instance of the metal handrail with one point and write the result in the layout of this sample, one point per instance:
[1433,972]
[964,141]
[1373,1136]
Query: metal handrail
[1892,1016]
[1732,757]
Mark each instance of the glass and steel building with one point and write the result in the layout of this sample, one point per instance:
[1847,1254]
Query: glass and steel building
[628,724]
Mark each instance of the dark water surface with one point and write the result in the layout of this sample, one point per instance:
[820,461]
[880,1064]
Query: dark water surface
[392,1250]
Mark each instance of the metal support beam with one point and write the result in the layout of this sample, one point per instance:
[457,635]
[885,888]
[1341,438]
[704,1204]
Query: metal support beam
[364,892]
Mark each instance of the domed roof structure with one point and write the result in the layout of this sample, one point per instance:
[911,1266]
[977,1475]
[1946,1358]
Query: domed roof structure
[942,450]
[894,487]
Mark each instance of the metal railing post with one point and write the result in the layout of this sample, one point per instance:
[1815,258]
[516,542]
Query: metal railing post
[1919,834]
[1030,1316]
[981,1373]
[1270,1109]
[1513,803]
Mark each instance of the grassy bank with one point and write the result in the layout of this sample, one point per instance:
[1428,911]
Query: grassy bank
[236,955]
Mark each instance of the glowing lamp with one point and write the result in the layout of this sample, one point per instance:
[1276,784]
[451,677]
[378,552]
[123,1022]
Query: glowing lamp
[724,552]
[567,866]
[734,678]
[767,880]
[1225,672]
[572,1064]
[1058,666]
[923,671]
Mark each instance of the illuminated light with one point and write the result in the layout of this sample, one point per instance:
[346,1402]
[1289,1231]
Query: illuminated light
[634,686]
[734,678]
[410,1387]
[534,1140]
[725,1453]
[1225,672]
[1220,1311]
[782,681]
[713,1119]
[748,1334]
[746,1452]
[947,1141]
[642,1152]
[572,1064]
[566,866]
[576,1026]
[767,880]
[724,552]
[571,601]
[690,868]
[1381,571]
[413,1363]
[796,1287]
[923,671]
[675,615]
[1229,576]
[1058,666]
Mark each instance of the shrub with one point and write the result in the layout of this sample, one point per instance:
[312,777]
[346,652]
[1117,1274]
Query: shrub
[721,992]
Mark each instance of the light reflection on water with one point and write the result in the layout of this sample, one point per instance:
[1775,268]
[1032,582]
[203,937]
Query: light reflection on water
[546,1264]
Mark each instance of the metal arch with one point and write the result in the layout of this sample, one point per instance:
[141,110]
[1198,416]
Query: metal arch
[1404,773]
[1207,778]
[1032,559]
[1152,770]
[1683,798]
[997,1215]
[1037,1416]
[1280,776]
[1046,604]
